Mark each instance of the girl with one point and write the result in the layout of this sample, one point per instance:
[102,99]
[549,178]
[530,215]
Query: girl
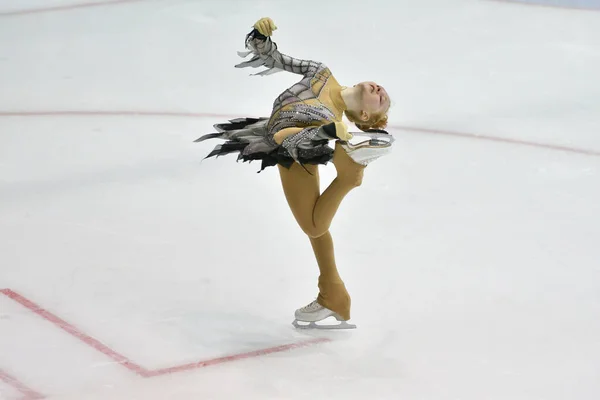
[305,117]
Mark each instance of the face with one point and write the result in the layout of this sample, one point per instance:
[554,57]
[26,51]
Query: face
[374,98]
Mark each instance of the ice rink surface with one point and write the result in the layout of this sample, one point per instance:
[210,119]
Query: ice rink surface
[130,269]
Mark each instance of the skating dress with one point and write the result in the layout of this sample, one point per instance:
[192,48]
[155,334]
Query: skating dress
[313,104]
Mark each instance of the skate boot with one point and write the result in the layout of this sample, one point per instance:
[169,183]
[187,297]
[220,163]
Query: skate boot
[308,316]
[378,144]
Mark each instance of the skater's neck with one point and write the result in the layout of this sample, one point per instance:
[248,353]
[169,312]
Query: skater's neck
[351,96]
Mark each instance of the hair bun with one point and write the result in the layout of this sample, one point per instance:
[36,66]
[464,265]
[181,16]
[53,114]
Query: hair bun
[380,124]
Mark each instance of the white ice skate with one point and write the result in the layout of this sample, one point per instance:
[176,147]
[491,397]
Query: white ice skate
[308,316]
[367,151]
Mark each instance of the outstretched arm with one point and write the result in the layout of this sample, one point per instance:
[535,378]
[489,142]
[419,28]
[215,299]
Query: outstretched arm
[265,52]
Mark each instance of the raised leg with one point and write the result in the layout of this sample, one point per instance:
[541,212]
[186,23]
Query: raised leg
[314,211]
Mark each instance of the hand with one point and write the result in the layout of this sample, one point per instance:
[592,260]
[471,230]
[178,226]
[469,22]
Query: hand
[341,131]
[265,26]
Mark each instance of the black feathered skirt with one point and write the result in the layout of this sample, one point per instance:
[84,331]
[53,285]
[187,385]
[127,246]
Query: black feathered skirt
[251,139]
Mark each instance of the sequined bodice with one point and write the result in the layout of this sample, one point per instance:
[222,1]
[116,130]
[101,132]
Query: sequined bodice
[300,105]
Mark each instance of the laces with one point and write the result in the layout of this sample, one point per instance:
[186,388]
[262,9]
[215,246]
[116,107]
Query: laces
[311,307]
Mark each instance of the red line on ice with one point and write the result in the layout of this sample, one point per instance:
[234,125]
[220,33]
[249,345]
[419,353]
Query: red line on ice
[67,7]
[185,114]
[130,365]
[235,357]
[74,331]
[27,392]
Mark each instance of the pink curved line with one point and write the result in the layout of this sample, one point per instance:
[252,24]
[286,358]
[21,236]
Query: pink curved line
[501,140]
[188,114]
[523,3]
[68,7]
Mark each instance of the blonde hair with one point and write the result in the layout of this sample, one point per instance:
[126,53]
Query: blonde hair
[377,121]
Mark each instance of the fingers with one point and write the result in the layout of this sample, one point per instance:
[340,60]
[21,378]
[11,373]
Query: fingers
[341,131]
[270,25]
[265,26]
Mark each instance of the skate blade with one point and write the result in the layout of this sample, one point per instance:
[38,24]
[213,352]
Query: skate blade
[314,325]
[370,144]
[374,139]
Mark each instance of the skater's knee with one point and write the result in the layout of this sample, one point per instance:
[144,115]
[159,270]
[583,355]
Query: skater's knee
[313,231]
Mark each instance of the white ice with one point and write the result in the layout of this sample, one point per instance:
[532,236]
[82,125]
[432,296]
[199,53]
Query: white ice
[473,265]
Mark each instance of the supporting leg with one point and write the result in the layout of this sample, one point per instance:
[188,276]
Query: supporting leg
[332,291]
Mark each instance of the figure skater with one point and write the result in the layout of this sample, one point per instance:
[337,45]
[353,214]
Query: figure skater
[304,118]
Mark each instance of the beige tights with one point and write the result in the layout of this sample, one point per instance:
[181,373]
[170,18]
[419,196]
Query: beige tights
[315,211]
